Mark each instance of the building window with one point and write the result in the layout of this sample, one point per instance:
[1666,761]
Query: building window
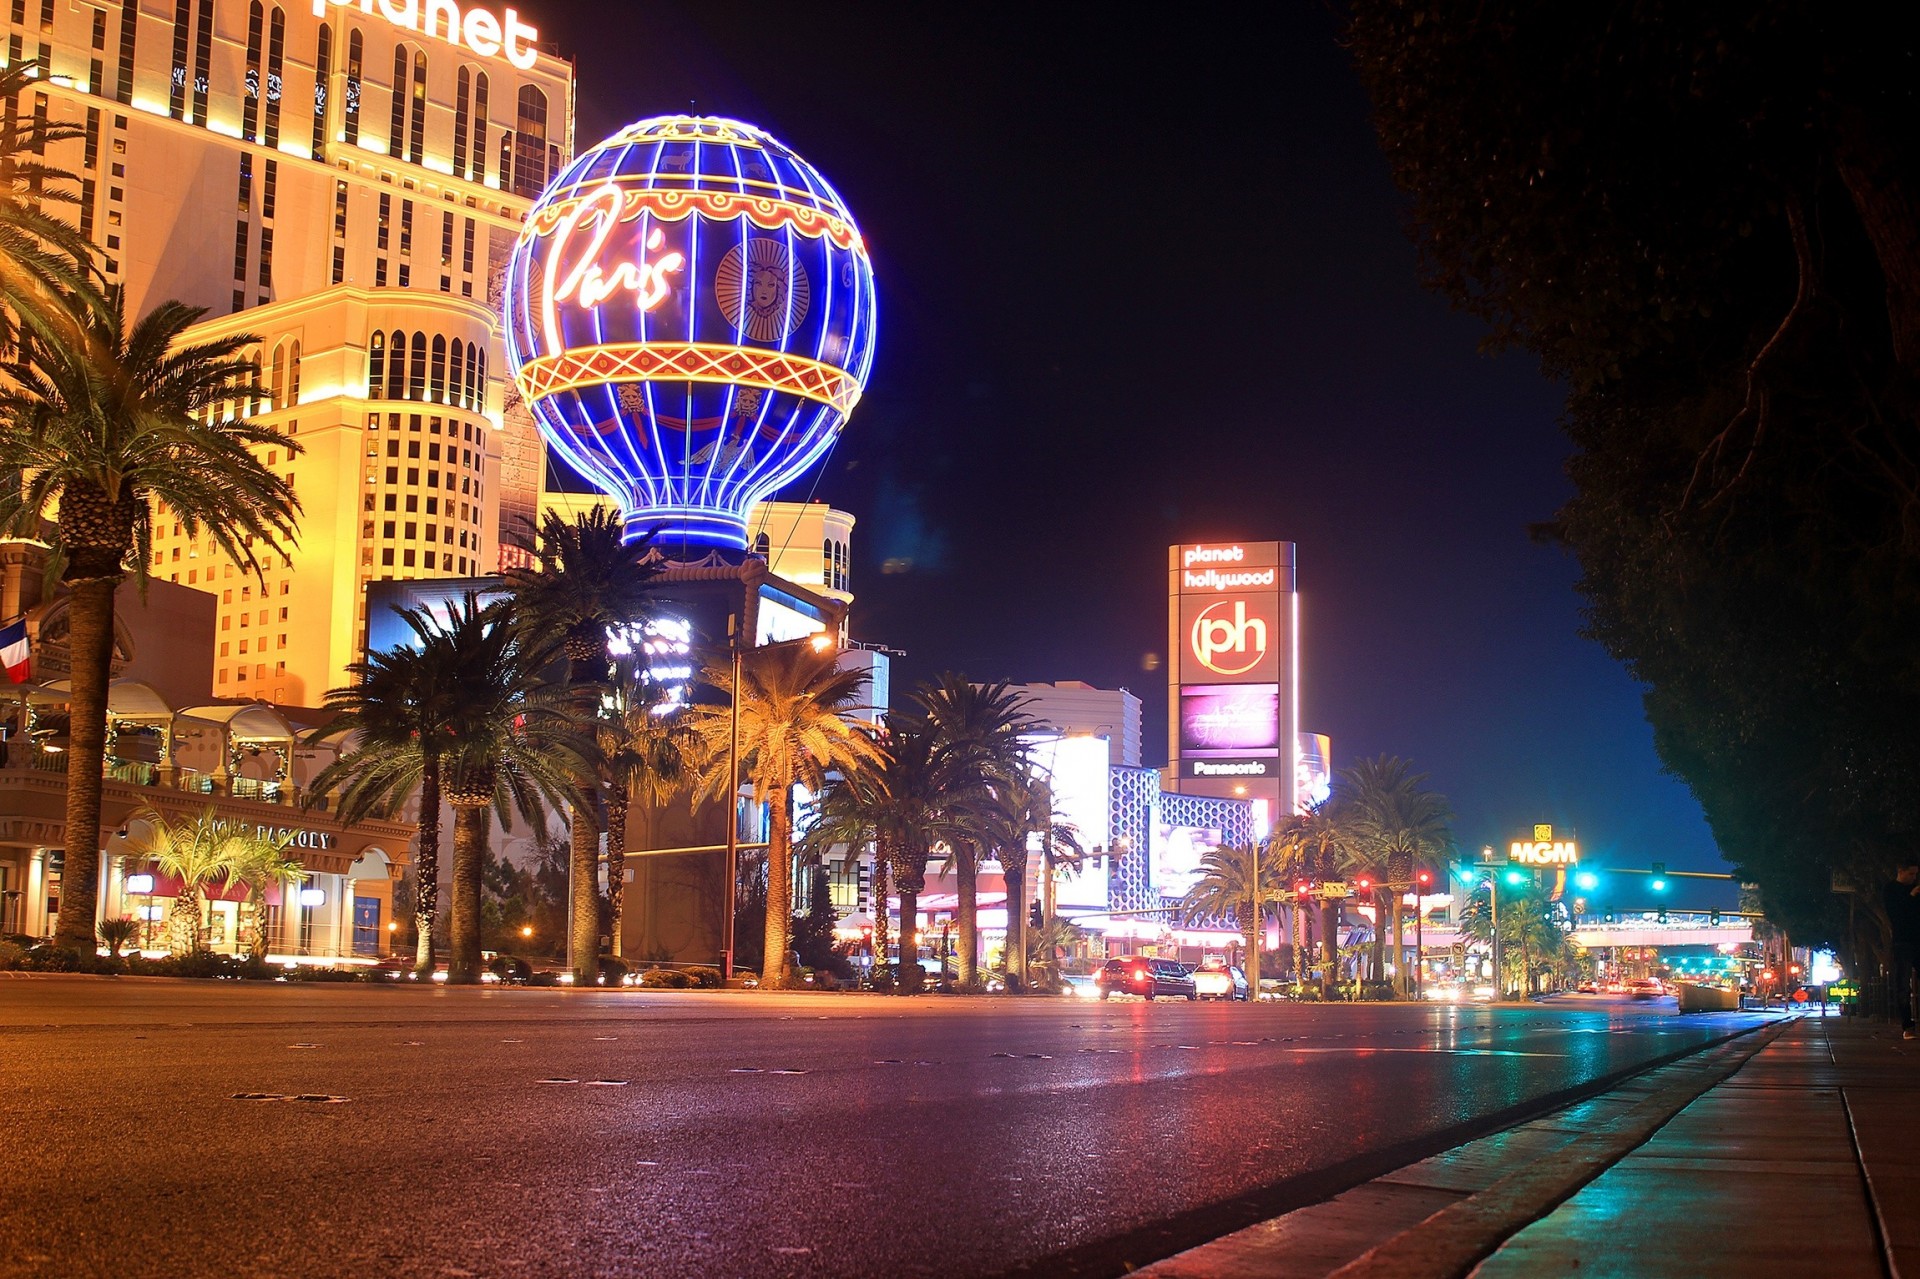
[462,90]
[417,116]
[397,119]
[376,365]
[381,231]
[530,143]
[406,226]
[269,182]
[182,29]
[90,154]
[417,370]
[455,378]
[340,210]
[397,366]
[129,32]
[276,66]
[406,275]
[239,256]
[446,239]
[350,108]
[202,61]
[339,264]
[438,388]
[322,77]
[250,107]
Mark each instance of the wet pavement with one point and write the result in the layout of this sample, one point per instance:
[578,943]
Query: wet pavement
[154,1127]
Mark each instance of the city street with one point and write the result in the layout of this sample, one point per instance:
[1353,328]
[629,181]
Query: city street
[152,1127]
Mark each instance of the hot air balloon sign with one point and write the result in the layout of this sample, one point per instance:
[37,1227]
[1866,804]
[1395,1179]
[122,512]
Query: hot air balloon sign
[690,318]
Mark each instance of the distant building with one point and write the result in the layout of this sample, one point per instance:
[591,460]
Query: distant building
[1072,708]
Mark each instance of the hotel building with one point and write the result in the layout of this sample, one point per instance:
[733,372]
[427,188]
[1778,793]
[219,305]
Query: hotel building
[342,182]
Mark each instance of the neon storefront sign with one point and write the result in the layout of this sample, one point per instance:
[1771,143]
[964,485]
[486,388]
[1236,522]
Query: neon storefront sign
[478,30]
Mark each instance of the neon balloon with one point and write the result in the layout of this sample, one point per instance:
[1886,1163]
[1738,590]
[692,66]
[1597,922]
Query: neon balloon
[690,318]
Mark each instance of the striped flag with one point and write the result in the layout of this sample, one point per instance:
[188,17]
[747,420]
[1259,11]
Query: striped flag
[13,651]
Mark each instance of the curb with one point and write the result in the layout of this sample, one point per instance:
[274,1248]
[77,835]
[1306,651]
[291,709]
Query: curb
[1444,1235]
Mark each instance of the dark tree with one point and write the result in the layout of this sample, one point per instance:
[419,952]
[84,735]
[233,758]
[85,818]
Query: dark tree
[1701,219]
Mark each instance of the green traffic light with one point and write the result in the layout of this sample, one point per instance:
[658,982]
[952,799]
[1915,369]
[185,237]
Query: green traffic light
[1659,885]
[1515,877]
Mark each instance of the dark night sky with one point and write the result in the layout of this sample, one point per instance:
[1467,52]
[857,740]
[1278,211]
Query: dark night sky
[1143,281]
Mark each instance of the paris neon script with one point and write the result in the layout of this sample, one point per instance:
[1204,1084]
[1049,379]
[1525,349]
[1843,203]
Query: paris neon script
[584,282]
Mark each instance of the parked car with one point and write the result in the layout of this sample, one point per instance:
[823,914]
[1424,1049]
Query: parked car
[1217,980]
[1139,975]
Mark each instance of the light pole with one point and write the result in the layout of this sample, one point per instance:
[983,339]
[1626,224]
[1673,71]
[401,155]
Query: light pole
[1420,880]
[1257,936]
[1493,905]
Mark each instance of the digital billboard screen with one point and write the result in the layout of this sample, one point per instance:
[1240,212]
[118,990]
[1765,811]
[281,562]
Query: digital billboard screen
[1174,866]
[1314,774]
[1218,720]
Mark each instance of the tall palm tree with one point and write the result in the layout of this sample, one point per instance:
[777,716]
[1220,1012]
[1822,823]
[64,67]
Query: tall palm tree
[400,711]
[1528,929]
[977,727]
[259,860]
[1018,815]
[100,436]
[850,813]
[789,701]
[513,748]
[915,814]
[1313,848]
[47,280]
[1237,882]
[195,851]
[1396,823]
[644,764]
[585,581]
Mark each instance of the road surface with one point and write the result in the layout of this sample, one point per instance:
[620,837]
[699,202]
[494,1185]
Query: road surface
[170,1128]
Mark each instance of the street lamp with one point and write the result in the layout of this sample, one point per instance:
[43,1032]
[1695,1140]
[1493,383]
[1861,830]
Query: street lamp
[1422,879]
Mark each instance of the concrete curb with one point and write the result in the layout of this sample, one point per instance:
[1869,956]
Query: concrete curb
[1446,1240]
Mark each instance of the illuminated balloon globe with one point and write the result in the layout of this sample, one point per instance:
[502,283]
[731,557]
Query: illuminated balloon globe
[690,316]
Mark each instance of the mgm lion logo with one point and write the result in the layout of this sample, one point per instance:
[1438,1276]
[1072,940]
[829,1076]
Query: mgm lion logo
[761,289]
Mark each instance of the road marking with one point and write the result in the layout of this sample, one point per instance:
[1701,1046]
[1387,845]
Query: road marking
[1450,1052]
[556,1081]
[303,1046]
[606,1083]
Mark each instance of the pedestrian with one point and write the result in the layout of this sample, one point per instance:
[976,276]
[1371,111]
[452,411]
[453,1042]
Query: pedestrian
[1902,901]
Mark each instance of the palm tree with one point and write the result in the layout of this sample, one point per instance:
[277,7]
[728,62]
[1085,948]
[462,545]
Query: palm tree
[977,727]
[917,813]
[789,702]
[47,279]
[850,812]
[643,764]
[1528,929]
[586,581]
[1394,822]
[1019,813]
[1237,882]
[400,707]
[513,748]
[195,851]
[1311,847]
[101,437]
[257,860]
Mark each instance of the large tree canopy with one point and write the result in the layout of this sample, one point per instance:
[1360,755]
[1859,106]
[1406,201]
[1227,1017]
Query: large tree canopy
[1701,219]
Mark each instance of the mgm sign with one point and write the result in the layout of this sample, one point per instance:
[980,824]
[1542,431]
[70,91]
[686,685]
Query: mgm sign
[1543,850]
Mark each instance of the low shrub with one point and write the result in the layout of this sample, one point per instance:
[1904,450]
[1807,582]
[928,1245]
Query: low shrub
[613,970]
[544,979]
[978,986]
[881,979]
[305,973]
[666,979]
[705,978]
[510,968]
[12,955]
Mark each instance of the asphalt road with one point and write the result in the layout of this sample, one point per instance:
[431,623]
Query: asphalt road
[439,1132]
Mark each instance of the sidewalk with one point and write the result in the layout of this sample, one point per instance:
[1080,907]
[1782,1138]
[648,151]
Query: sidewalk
[1805,1161]
[1792,1150]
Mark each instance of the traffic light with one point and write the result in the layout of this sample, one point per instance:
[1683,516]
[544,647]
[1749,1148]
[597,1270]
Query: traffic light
[1034,917]
[1659,877]
[1713,918]
[1363,883]
[1303,888]
[1516,877]
[1586,880]
[1661,915]
[1424,878]
[1607,918]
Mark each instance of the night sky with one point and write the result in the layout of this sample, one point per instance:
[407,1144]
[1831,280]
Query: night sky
[1143,282]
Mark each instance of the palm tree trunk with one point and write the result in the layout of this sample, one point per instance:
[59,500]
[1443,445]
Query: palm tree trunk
[185,920]
[1016,922]
[773,965]
[470,820]
[90,646]
[426,869]
[616,859]
[967,861]
[910,969]
[880,894]
[1379,937]
[1399,950]
[583,873]
[1329,947]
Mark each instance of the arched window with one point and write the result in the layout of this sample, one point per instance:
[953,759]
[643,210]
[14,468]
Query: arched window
[417,114]
[322,78]
[762,545]
[476,389]
[506,159]
[479,172]
[250,94]
[276,68]
[438,386]
[530,143]
[293,372]
[417,369]
[481,353]
[377,366]
[350,109]
[455,373]
[277,384]
[397,120]
[397,366]
[462,91]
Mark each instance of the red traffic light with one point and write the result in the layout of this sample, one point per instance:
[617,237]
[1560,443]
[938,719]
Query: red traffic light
[1422,877]
[1303,887]
[1363,884]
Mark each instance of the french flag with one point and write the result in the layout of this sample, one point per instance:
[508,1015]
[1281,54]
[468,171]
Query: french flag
[13,651]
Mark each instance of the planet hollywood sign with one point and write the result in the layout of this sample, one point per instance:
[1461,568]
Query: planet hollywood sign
[477,30]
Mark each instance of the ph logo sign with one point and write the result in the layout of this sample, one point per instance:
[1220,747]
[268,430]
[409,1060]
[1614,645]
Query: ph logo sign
[1226,641]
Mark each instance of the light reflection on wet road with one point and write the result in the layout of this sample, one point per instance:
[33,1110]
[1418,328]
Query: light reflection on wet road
[546,1133]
